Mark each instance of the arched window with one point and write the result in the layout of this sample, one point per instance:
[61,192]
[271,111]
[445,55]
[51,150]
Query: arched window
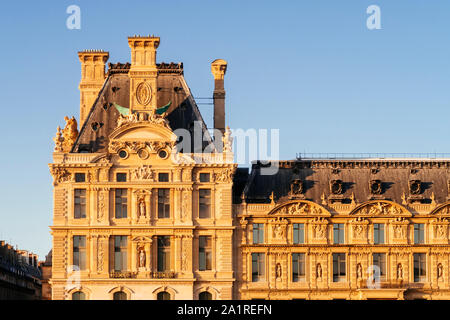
[205,295]
[164,295]
[78,295]
[120,295]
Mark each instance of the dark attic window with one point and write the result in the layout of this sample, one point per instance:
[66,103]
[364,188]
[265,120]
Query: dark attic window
[121,177]
[163,177]
[80,177]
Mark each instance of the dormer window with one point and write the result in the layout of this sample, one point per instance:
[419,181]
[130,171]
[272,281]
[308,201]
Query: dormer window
[336,186]
[375,187]
[297,187]
[415,187]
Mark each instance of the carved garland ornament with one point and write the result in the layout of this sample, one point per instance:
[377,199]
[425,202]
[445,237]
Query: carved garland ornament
[379,209]
[300,208]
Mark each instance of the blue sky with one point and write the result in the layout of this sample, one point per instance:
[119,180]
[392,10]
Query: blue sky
[309,68]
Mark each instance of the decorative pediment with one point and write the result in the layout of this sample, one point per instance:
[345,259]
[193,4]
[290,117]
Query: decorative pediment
[380,208]
[443,209]
[300,207]
[143,138]
[141,239]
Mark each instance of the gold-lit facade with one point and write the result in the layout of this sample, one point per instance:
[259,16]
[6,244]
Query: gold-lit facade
[135,217]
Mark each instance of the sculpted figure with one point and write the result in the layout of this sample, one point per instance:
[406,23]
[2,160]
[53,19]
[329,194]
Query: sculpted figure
[440,270]
[141,258]
[318,271]
[70,133]
[278,270]
[359,271]
[142,207]
[399,271]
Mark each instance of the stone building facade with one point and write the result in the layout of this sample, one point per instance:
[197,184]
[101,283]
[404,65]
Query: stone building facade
[135,218]
[345,229]
[149,205]
[19,274]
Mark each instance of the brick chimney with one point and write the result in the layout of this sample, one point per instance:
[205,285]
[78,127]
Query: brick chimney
[143,72]
[218,69]
[92,79]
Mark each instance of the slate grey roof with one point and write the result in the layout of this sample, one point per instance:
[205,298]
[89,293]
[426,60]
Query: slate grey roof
[395,176]
[102,118]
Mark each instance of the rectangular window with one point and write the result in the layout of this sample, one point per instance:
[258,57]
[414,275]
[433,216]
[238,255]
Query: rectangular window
[205,253]
[204,203]
[163,253]
[80,203]
[378,233]
[80,177]
[420,264]
[258,233]
[379,260]
[79,252]
[120,253]
[121,203]
[298,267]
[258,262]
[121,177]
[338,233]
[204,177]
[338,267]
[419,233]
[299,233]
[163,203]
[163,177]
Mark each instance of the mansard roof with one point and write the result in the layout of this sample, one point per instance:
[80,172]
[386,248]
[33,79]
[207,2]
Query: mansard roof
[102,118]
[355,176]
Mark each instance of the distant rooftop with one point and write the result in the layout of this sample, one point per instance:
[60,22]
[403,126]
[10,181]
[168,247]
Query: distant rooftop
[373,156]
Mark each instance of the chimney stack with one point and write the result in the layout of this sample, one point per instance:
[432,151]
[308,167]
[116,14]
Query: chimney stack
[218,69]
[92,79]
[143,73]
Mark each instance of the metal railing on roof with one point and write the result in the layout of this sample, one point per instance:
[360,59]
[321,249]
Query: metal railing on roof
[331,156]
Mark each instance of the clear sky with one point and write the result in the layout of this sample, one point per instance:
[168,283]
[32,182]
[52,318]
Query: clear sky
[309,68]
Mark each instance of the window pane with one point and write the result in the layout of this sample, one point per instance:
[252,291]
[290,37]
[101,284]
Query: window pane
[120,253]
[79,252]
[258,233]
[164,253]
[121,203]
[299,233]
[80,204]
[163,177]
[204,177]
[419,233]
[163,203]
[121,177]
[339,267]
[204,203]
[78,296]
[338,233]
[258,267]
[298,267]
[378,233]
[205,253]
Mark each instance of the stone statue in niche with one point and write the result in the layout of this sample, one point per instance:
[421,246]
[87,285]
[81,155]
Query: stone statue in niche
[359,271]
[142,209]
[319,271]
[141,257]
[399,271]
[440,270]
[278,270]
